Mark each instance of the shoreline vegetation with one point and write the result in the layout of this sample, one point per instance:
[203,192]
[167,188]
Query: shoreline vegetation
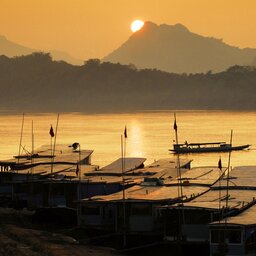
[35,83]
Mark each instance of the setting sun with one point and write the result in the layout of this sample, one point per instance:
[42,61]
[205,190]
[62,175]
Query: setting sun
[137,25]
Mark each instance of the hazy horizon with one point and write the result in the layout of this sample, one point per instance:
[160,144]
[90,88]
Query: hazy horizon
[80,28]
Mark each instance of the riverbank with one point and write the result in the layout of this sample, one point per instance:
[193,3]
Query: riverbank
[20,235]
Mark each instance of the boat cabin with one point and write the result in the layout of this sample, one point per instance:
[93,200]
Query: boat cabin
[140,204]
[202,210]
[234,235]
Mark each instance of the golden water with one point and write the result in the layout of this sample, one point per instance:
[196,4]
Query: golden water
[150,134]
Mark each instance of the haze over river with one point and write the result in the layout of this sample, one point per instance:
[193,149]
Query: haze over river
[150,134]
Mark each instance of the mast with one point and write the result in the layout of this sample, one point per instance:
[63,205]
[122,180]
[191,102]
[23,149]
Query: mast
[79,163]
[220,175]
[54,144]
[229,159]
[78,172]
[222,244]
[32,147]
[53,152]
[123,184]
[21,135]
[180,189]
[227,189]
[52,134]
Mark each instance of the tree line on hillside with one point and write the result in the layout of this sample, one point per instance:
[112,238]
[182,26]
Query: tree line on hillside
[37,83]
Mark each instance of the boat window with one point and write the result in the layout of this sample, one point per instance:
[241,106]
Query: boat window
[21,188]
[110,215]
[57,189]
[232,236]
[37,188]
[235,236]
[90,210]
[141,209]
[250,237]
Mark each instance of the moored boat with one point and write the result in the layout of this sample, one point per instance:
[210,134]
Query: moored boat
[206,147]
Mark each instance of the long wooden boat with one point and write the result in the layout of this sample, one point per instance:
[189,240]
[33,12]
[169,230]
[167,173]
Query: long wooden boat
[206,147]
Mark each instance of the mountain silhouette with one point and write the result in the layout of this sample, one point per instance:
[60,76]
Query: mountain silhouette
[173,48]
[11,49]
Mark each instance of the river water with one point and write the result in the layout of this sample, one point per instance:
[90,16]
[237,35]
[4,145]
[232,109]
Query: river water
[150,134]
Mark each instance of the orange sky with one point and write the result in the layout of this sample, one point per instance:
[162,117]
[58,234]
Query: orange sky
[94,28]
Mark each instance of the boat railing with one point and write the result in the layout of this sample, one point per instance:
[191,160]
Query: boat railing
[225,145]
[199,145]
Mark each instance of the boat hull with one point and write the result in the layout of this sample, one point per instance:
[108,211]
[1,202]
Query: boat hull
[207,150]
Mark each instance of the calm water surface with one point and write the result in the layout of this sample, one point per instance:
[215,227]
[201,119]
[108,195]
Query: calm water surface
[150,134]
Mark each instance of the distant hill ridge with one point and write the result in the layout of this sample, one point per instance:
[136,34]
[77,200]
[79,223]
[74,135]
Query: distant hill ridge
[36,83]
[11,49]
[173,48]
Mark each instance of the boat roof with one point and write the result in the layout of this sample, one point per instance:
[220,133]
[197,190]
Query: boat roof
[163,167]
[167,174]
[64,154]
[245,218]
[140,193]
[239,177]
[131,180]
[68,175]
[167,162]
[45,169]
[237,198]
[56,172]
[115,168]
[204,176]
[47,149]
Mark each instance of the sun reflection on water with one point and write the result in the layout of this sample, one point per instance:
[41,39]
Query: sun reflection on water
[135,145]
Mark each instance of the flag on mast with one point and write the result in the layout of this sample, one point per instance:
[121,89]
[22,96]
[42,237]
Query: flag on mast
[175,127]
[220,164]
[125,132]
[51,132]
